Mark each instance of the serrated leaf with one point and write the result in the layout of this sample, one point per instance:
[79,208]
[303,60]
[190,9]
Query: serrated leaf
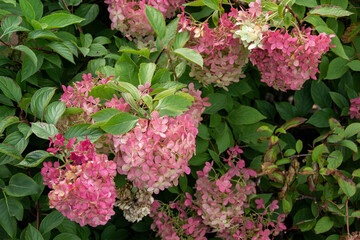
[354,65]
[51,221]
[45,34]
[88,12]
[44,130]
[329,11]
[33,234]
[244,115]
[62,50]
[27,51]
[21,185]
[60,20]
[146,72]
[156,20]
[54,111]
[40,100]
[120,123]
[338,49]
[6,221]
[173,105]
[125,87]
[337,68]
[81,131]
[190,55]
[105,114]
[34,158]
[10,88]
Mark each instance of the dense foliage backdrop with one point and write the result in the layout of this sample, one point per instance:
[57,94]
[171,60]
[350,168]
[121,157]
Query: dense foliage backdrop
[165,119]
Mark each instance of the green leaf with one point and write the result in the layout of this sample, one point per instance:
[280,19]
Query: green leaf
[126,70]
[156,20]
[33,234]
[7,121]
[337,68]
[6,221]
[97,50]
[10,151]
[321,117]
[34,158]
[181,38]
[349,144]
[299,146]
[351,32]
[213,4]
[44,34]
[44,130]
[199,159]
[346,184]
[171,30]
[218,102]
[146,72]
[10,88]
[307,3]
[335,159]
[51,221]
[62,50]
[356,214]
[40,100]
[142,52]
[27,51]
[317,153]
[15,208]
[352,129]
[54,111]
[80,131]
[125,87]
[323,225]
[21,185]
[339,100]
[173,105]
[244,115]
[354,65]
[120,123]
[286,110]
[88,12]
[320,94]
[60,20]
[183,182]
[338,49]
[105,114]
[103,92]
[223,141]
[66,236]
[329,11]
[190,55]
[29,68]
[27,9]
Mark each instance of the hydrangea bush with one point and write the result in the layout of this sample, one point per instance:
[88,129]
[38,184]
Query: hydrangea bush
[159,119]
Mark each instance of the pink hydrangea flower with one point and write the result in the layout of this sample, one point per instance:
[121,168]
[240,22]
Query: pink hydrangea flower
[224,57]
[286,60]
[128,16]
[84,191]
[354,108]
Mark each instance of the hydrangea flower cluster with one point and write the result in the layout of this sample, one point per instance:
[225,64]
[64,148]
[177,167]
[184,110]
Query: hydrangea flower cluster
[221,204]
[83,191]
[286,60]
[128,16]
[136,205]
[156,152]
[354,108]
[224,56]
[251,25]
